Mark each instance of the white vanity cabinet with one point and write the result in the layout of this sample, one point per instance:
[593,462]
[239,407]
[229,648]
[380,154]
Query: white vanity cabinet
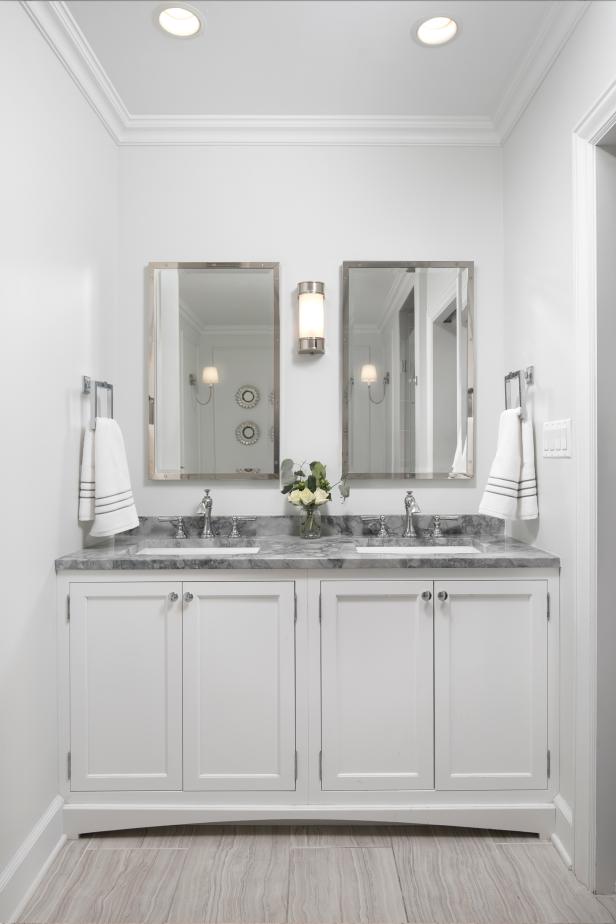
[239,685]
[377,703]
[425,696]
[491,684]
[126,686]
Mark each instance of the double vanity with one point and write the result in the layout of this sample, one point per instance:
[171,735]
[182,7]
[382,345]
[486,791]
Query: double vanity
[222,670]
[269,678]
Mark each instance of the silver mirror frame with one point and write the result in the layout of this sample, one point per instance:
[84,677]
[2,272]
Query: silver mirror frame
[345,364]
[153,475]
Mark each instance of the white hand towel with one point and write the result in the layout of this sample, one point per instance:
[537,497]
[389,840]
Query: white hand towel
[500,498]
[114,507]
[86,479]
[511,491]
[527,495]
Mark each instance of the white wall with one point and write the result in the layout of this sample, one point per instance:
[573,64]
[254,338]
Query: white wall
[539,302]
[309,208]
[57,248]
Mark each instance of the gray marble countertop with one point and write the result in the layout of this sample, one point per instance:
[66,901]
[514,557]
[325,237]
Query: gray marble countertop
[279,549]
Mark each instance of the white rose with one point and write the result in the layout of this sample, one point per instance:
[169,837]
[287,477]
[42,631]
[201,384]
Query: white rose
[320,497]
[295,497]
[306,497]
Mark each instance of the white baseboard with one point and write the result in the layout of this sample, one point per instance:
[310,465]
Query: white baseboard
[30,862]
[562,836]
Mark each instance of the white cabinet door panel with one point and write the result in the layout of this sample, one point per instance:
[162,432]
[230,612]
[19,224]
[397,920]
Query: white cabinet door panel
[491,685]
[126,688]
[377,685]
[239,686]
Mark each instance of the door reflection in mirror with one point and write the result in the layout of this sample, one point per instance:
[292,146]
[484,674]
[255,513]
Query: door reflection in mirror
[409,369]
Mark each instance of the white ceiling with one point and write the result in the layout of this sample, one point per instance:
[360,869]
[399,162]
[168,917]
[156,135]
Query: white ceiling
[308,71]
[311,57]
[228,298]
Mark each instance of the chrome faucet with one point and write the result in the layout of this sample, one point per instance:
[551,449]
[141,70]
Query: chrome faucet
[178,522]
[411,506]
[235,533]
[383,532]
[205,507]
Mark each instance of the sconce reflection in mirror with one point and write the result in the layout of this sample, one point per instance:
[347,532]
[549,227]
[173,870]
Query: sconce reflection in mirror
[368,376]
[209,376]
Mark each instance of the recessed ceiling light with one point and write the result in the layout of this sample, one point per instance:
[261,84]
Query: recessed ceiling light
[180,20]
[435,31]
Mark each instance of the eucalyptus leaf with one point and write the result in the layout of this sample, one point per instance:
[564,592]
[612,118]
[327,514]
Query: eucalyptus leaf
[318,470]
[311,483]
[286,472]
[345,488]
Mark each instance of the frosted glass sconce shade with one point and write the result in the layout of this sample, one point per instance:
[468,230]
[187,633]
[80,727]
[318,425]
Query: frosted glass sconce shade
[311,303]
[368,374]
[209,376]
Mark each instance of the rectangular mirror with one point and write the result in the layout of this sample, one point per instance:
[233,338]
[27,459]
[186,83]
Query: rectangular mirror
[213,371]
[408,370]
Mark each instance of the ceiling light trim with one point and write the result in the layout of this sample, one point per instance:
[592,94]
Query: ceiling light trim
[556,29]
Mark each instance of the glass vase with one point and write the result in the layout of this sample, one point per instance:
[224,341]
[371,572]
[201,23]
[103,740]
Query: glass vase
[310,523]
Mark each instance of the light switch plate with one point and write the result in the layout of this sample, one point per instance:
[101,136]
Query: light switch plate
[557,439]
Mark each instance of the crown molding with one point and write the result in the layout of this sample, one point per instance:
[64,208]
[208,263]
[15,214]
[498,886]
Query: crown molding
[308,130]
[57,25]
[557,27]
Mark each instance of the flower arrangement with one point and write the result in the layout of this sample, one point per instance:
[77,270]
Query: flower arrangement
[309,490]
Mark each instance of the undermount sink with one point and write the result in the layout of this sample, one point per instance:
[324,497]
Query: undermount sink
[198,551]
[416,549]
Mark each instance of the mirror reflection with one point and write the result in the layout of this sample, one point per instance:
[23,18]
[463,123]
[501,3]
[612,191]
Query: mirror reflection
[408,370]
[214,370]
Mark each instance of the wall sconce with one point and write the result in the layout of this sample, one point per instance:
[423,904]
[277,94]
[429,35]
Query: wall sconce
[368,376]
[209,376]
[311,302]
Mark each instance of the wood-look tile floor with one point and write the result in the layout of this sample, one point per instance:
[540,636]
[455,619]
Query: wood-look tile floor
[312,875]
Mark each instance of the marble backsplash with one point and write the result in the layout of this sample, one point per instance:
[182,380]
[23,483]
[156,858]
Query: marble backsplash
[464,525]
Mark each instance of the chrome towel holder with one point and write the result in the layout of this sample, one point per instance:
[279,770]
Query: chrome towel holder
[516,385]
[86,389]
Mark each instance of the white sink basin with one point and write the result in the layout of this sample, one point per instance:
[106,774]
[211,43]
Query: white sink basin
[416,549]
[198,552]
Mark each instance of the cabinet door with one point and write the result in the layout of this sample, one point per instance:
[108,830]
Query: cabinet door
[126,686]
[377,685]
[491,684]
[239,685]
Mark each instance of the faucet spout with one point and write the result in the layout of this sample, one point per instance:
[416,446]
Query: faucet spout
[205,507]
[410,506]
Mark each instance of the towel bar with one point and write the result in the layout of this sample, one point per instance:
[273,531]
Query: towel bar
[86,389]
[516,385]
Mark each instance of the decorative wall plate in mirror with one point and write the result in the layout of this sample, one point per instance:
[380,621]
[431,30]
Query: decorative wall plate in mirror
[247,433]
[408,370]
[213,325]
[247,396]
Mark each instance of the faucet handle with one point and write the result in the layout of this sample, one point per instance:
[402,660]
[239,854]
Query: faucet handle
[383,532]
[235,533]
[179,524]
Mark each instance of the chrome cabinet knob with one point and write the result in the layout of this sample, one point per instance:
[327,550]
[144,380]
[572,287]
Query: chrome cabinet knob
[173,596]
[188,597]
[426,595]
[443,595]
